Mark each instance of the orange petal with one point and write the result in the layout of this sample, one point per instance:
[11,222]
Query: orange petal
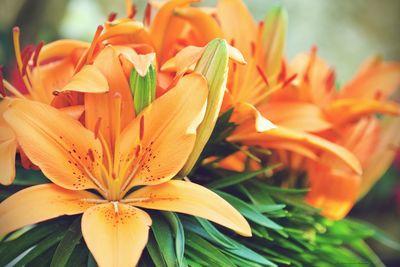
[376,79]
[193,199]
[333,190]
[237,24]
[349,109]
[160,27]
[300,116]
[385,151]
[56,143]
[60,48]
[74,112]
[88,80]
[125,28]
[205,26]
[250,119]
[166,132]
[108,63]
[115,234]
[8,147]
[39,203]
[284,134]
[184,60]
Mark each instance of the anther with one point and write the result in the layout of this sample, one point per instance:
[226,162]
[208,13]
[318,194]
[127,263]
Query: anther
[112,16]
[97,128]
[2,89]
[262,74]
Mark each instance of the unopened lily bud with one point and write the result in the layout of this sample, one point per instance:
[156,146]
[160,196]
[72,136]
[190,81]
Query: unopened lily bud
[143,86]
[213,65]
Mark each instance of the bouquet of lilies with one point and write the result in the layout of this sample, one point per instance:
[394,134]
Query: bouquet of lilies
[189,139]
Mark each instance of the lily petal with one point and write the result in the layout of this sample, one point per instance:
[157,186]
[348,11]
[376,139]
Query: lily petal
[193,199]
[60,48]
[8,148]
[338,198]
[116,234]
[88,80]
[167,129]
[250,119]
[284,134]
[39,203]
[348,109]
[56,143]
[237,24]
[108,63]
[296,115]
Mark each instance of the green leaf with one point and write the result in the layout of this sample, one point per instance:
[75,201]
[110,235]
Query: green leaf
[249,211]
[29,177]
[9,250]
[79,256]
[91,262]
[179,234]
[163,236]
[218,237]
[41,248]
[67,245]
[238,178]
[213,255]
[154,252]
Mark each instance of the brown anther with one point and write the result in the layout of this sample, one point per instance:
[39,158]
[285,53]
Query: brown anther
[232,42]
[253,48]
[137,151]
[147,15]
[282,73]
[16,29]
[56,93]
[330,80]
[91,154]
[37,52]
[288,81]
[133,12]
[113,175]
[262,74]
[2,89]
[112,16]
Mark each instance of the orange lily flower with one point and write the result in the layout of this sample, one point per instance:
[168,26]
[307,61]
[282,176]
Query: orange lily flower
[300,99]
[146,151]
[44,69]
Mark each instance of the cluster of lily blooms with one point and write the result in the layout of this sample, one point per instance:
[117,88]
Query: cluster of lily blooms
[111,122]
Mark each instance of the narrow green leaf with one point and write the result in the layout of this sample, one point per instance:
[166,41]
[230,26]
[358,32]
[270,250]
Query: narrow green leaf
[67,245]
[213,255]
[154,252]
[249,211]
[41,248]
[238,178]
[79,256]
[163,236]
[11,249]
[29,177]
[218,237]
[179,234]
[91,262]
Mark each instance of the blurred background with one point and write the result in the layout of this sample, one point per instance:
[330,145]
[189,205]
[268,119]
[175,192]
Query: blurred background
[345,32]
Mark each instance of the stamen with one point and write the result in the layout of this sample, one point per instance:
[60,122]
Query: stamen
[12,89]
[91,155]
[288,81]
[133,12]
[37,52]
[232,42]
[330,80]
[262,74]
[26,56]
[117,128]
[94,200]
[133,200]
[112,16]
[313,55]
[2,89]
[282,74]
[115,204]
[141,129]
[147,15]
[94,43]
[253,48]
[17,47]
[94,180]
